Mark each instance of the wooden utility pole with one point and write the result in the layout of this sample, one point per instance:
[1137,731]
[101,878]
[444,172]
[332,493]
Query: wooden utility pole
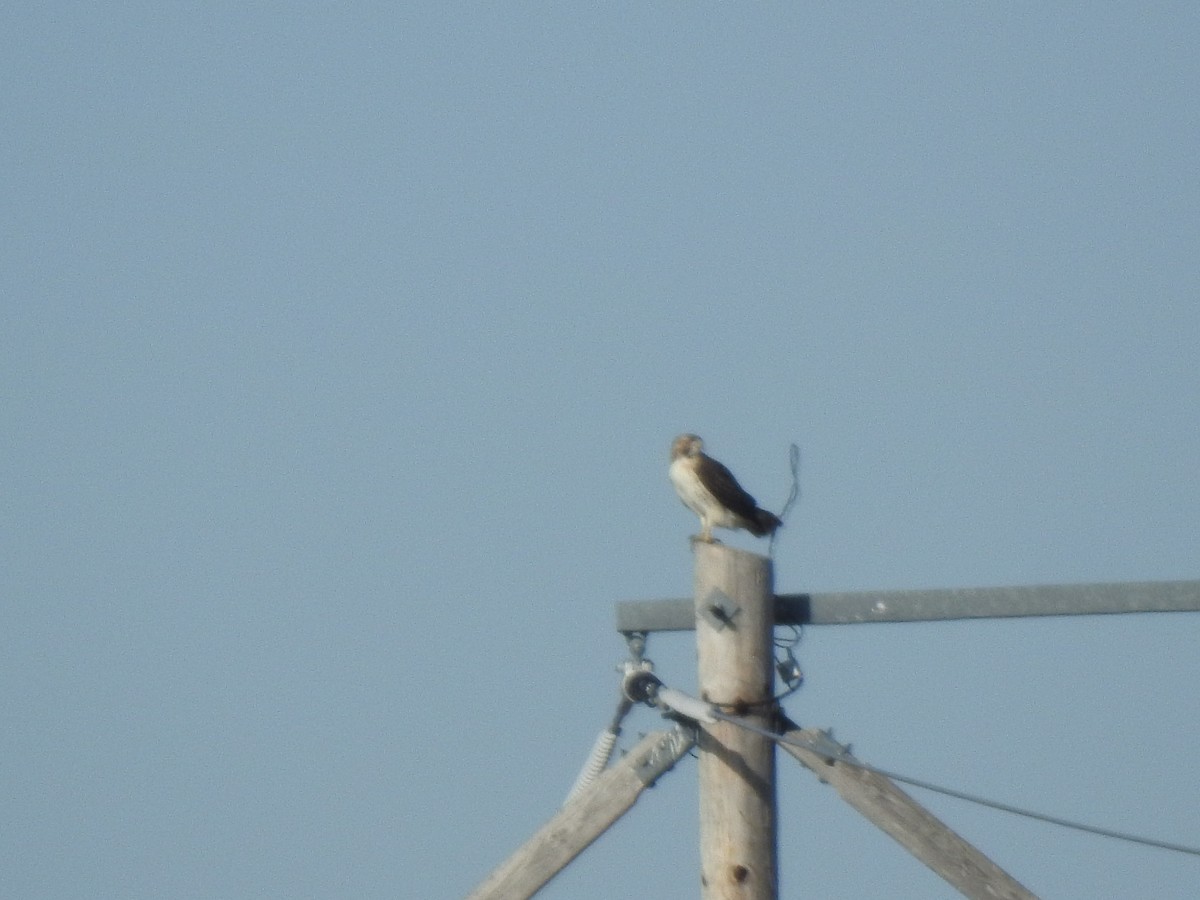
[734,607]
[734,610]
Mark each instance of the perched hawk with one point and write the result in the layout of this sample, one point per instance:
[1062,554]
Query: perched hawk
[709,490]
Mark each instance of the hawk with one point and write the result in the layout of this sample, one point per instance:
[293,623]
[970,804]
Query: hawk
[709,490]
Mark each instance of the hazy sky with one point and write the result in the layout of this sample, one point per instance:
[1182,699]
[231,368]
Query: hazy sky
[341,352]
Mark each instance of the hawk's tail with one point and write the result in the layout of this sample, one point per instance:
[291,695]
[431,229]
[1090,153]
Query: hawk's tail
[763,523]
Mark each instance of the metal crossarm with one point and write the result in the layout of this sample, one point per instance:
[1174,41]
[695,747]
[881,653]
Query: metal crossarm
[852,608]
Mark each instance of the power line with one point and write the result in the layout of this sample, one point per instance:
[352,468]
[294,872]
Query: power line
[825,753]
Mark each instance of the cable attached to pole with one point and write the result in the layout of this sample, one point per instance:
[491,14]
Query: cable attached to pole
[653,692]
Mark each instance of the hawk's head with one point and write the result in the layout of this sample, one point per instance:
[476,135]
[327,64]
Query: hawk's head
[686,445]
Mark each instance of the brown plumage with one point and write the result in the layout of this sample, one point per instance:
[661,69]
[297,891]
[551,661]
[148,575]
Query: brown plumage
[709,490]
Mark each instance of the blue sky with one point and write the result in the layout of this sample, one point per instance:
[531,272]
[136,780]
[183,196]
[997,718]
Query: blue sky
[344,345]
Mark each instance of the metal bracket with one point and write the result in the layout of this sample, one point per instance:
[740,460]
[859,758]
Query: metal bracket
[824,745]
[640,685]
[670,746]
[719,609]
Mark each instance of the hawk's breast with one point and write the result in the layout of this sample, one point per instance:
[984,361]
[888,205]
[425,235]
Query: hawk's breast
[697,497]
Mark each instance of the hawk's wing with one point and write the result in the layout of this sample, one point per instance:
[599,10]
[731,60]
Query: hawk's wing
[725,488]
